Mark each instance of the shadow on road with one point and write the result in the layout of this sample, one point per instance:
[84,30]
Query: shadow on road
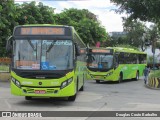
[115,82]
[43,102]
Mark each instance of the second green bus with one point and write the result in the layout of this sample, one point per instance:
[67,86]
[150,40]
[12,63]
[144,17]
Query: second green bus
[115,64]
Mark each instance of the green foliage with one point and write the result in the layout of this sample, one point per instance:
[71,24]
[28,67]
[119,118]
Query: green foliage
[30,13]
[116,40]
[7,22]
[85,23]
[135,30]
[155,73]
[145,10]
[126,46]
[150,59]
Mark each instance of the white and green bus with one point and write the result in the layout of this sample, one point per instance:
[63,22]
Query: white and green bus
[115,64]
[47,61]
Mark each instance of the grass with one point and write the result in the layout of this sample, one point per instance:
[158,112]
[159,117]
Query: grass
[155,73]
[4,68]
[4,72]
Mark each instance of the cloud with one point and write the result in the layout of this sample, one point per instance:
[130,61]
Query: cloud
[101,8]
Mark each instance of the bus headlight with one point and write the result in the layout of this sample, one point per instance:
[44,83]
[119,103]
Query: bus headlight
[66,83]
[109,74]
[16,82]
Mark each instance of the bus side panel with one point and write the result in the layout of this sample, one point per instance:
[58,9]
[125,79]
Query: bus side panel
[80,73]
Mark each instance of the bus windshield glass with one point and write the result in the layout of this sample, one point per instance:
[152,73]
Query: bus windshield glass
[100,61]
[43,54]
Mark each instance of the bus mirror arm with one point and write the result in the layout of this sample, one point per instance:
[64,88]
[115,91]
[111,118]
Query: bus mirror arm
[116,63]
[77,49]
[9,45]
[115,66]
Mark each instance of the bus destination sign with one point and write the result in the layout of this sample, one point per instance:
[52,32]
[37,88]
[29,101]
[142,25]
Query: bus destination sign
[42,31]
[100,51]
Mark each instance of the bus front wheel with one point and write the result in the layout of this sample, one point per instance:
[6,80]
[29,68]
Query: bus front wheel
[28,97]
[72,98]
[97,81]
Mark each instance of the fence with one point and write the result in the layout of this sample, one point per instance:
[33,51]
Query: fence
[5,64]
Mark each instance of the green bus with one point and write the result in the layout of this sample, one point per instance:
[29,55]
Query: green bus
[115,64]
[47,61]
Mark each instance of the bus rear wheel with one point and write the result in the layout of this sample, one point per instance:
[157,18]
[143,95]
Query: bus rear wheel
[137,76]
[120,78]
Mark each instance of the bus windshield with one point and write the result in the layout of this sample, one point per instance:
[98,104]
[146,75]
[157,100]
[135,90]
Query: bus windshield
[43,54]
[100,61]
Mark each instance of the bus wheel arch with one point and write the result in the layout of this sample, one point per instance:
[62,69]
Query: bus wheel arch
[120,79]
[137,75]
[72,98]
[82,87]
[28,98]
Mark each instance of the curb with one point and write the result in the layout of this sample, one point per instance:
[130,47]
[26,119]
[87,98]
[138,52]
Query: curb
[153,83]
[147,86]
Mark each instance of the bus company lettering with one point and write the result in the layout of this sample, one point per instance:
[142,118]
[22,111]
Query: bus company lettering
[58,42]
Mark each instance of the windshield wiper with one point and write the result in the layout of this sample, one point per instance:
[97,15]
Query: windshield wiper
[50,47]
[34,49]
[29,41]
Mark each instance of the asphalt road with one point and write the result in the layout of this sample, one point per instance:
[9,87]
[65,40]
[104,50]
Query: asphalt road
[107,96]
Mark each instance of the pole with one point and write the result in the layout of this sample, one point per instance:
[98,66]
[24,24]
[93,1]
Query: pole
[153,51]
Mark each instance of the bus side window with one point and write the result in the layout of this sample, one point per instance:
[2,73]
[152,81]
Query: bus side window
[142,58]
[121,58]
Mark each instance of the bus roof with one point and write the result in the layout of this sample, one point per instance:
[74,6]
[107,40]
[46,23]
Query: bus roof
[43,25]
[128,50]
[121,49]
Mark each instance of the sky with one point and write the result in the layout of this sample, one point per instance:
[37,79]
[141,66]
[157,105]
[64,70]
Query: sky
[103,9]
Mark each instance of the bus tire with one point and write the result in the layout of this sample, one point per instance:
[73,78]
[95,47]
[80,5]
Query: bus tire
[97,81]
[72,98]
[137,76]
[120,78]
[81,89]
[28,98]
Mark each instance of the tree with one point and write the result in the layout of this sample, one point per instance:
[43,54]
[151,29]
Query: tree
[135,30]
[8,15]
[30,13]
[85,23]
[145,10]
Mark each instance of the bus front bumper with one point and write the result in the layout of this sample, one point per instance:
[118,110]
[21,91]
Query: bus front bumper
[43,92]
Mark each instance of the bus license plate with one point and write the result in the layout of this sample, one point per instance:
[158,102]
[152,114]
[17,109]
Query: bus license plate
[40,91]
[98,77]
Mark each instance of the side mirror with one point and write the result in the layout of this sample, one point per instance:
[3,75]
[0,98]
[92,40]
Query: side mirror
[77,49]
[115,61]
[8,44]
